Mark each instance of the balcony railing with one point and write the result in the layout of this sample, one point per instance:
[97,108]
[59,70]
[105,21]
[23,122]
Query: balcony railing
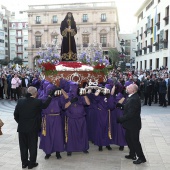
[103,19]
[84,20]
[37,22]
[54,21]
[85,45]
[19,43]
[19,51]
[18,36]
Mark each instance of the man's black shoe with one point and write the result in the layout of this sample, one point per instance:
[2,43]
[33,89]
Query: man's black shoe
[86,152]
[109,148]
[100,148]
[130,157]
[58,155]
[47,156]
[139,161]
[121,148]
[69,153]
[24,166]
[30,166]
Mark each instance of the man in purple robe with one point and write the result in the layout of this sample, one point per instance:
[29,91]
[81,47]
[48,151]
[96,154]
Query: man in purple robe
[105,103]
[76,136]
[52,136]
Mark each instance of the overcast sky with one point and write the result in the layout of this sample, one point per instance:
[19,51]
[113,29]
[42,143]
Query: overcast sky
[126,9]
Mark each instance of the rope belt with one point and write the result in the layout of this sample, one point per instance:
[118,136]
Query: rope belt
[109,127]
[44,132]
[54,114]
[66,129]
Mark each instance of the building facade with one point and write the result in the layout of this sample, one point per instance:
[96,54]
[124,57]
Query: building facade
[129,48]
[4,38]
[153,35]
[18,32]
[95,22]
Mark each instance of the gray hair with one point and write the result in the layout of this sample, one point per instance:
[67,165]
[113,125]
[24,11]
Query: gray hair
[32,90]
[135,87]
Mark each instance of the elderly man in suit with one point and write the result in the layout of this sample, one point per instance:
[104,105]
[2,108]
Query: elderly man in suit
[28,116]
[131,121]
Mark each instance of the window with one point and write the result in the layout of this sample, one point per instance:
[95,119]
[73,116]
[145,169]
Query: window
[151,28]
[140,64]
[103,40]
[127,51]
[85,18]
[103,17]
[85,40]
[1,34]
[54,19]
[38,20]
[38,41]
[158,22]
[140,16]
[150,47]
[145,49]
[166,18]
[1,41]
[145,64]
[127,42]
[166,39]
[157,46]
[159,1]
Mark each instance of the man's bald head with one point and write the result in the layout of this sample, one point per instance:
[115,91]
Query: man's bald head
[32,90]
[132,88]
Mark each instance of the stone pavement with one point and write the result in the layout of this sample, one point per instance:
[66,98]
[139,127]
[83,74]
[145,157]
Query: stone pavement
[155,139]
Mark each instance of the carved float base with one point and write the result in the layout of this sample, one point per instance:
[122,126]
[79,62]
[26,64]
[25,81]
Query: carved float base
[77,76]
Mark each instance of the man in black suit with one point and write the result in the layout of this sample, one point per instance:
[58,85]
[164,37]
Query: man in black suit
[131,121]
[28,116]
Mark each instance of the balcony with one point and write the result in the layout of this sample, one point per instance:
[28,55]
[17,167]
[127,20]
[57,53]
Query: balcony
[166,20]
[105,44]
[103,20]
[54,21]
[84,19]
[18,36]
[158,23]
[137,38]
[85,45]
[140,51]
[37,22]
[165,41]
[19,51]
[156,44]
[141,35]
[19,43]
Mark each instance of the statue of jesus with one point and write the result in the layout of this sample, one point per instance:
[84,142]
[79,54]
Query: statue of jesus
[68,31]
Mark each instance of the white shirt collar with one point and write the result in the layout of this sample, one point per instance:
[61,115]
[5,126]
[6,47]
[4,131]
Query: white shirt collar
[130,95]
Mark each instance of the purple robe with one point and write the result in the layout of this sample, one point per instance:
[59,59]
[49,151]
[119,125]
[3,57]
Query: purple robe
[36,83]
[118,132]
[77,128]
[91,117]
[101,137]
[54,139]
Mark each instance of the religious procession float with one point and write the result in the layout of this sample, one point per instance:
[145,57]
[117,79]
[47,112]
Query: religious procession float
[88,66]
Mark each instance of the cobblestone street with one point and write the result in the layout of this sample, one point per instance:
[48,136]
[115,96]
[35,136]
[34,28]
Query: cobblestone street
[155,139]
